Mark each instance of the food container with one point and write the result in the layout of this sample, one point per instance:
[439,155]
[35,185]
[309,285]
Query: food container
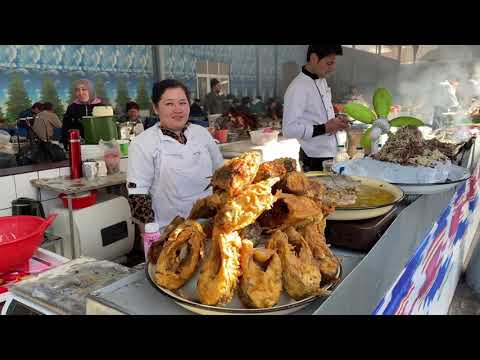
[354,136]
[327,165]
[123,147]
[263,136]
[20,236]
[90,170]
[221,135]
[81,200]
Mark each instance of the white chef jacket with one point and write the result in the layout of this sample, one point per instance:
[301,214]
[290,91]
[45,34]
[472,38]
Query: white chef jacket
[308,102]
[174,174]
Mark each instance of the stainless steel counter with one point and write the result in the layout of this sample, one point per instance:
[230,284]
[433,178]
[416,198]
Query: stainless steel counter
[134,295]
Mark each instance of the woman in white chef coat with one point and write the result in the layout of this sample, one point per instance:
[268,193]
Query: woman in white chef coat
[170,164]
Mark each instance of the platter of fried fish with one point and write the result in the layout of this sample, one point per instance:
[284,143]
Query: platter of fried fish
[255,246]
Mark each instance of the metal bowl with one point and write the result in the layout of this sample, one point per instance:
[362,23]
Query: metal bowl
[367,212]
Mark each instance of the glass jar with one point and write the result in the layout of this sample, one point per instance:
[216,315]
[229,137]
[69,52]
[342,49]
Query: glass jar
[342,154]
[359,153]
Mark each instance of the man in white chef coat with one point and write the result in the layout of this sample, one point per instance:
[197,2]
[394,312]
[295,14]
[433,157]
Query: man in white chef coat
[445,101]
[308,114]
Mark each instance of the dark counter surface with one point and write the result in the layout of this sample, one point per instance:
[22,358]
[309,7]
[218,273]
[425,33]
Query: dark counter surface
[35,167]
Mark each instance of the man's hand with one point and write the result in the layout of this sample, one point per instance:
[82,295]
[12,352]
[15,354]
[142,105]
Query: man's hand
[338,123]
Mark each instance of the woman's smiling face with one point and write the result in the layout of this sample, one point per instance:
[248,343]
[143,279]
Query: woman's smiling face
[173,109]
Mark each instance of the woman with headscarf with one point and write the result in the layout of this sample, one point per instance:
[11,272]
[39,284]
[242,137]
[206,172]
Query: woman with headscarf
[82,106]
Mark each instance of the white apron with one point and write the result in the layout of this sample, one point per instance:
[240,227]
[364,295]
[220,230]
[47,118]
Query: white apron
[181,175]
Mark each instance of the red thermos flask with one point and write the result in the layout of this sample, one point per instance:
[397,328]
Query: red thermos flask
[75,154]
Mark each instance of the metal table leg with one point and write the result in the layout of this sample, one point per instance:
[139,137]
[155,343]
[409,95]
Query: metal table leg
[70,218]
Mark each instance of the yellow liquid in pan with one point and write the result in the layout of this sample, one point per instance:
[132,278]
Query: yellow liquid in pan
[368,196]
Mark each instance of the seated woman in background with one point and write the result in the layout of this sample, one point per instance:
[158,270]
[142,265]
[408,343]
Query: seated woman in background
[82,106]
[45,122]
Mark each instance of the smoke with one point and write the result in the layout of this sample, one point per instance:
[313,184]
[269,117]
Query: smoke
[419,85]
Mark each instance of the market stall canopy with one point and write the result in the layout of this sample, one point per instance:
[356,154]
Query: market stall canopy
[449,53]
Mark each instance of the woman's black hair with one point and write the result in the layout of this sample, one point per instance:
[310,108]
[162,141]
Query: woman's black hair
[160,87]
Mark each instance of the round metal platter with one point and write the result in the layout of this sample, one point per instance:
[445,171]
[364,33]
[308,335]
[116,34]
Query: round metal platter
[186,297]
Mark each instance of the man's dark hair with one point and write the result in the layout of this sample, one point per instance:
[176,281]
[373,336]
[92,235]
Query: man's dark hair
[48,106]
[38,105]
[160,87]
[214,82]
[324,50]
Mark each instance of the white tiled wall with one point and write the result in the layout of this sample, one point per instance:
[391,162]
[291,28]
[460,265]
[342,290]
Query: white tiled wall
[7,192]
[65,171]
[23,187]
[15,186]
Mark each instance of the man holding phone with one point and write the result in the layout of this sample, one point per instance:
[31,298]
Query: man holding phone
[308,114]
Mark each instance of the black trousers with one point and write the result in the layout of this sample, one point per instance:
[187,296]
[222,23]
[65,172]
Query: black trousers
[311,163]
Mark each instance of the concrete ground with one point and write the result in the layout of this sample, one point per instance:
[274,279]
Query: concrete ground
[464,302]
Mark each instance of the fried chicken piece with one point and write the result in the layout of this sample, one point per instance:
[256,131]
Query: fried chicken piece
[238,173]
[242,210]
[294,182]
[301,276]
[179,257]
[207,207]
[156,248]
[278,167]
[220,271]
[261,280]
[289,210]
[313,233]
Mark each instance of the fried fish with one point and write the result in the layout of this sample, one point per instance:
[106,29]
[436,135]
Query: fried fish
[180,255]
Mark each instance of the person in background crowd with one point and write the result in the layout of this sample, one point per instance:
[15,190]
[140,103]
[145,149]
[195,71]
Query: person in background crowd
[214,99]
[170,164]
[355,96]
[32,112]
[308,111]
[132,110]
[82,106]
[445,100]
[245,105]
[257,106]
[196,109]
[468,92]
[45,122]
[274,110]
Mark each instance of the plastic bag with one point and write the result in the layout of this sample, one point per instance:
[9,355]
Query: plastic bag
[395,173]
[6,146]
[111,155]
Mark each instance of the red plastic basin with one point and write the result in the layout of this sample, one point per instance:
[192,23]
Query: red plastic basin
[80,202]
[20,236]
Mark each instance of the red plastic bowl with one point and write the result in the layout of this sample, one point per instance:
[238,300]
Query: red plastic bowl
[20,236]
[81,202]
